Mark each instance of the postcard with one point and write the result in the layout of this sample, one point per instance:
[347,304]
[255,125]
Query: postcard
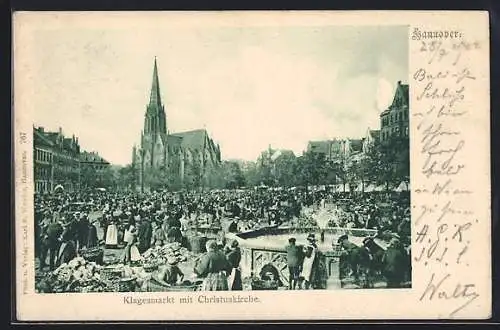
[279,165]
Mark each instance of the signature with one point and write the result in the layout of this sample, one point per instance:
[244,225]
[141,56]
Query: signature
[441,289]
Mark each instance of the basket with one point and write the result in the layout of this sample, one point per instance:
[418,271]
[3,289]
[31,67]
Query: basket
[111,273]
[125,285]
[149,268]
[94,254]
[264,285]
[154,286]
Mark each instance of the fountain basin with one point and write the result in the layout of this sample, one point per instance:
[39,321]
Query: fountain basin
[267,245]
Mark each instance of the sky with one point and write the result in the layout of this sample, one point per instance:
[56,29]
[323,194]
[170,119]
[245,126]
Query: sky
[249,87]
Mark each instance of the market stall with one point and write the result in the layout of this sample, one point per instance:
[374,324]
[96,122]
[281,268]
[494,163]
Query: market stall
[82,275]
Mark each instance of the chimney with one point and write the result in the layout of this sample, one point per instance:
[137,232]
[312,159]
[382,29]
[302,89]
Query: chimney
[41,129]
[399,82]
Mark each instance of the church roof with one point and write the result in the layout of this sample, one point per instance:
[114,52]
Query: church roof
[174,140]
[192,139]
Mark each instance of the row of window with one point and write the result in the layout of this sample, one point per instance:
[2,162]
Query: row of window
[42,172]
[395,131]
[47,156]
[394,118]
[42,186]
[47,186]
[43,155]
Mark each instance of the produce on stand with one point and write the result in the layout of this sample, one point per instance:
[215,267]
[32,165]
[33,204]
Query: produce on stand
[81,275]
[78,275]
[95,254]
[159,255]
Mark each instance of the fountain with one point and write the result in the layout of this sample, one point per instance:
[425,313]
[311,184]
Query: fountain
[267,245]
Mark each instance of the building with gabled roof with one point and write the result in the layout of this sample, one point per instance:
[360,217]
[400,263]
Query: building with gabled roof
[56,160]
[336,149]
[94,160]
[394,121]
[371,138]
[176,153]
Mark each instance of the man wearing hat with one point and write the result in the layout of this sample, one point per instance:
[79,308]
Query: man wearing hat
[83,230]
[51,242]
[346,257]
[144,235]
[370,260]
[67,249]
[311,239]
[233,256]
[294,261]
[92,239]
[396,264]
[42,226]
[233,227]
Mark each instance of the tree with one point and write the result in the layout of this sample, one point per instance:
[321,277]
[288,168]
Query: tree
[193,176]
[252,175]
[311,169]
[88,176]
[338,172]
[214,177]
[126,177]
[389,162]
[233,174]
[284,169]
[93,177]
[156,178]
[357,172]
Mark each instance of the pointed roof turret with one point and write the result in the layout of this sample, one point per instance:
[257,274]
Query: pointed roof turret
[155,99]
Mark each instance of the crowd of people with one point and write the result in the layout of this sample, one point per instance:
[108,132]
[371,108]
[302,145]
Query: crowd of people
[67,223]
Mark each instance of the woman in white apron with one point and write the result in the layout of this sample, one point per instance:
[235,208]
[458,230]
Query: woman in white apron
[131,253]
[129,229]
[112,235]
[307,266]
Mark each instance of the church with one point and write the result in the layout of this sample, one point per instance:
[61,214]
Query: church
[182,159]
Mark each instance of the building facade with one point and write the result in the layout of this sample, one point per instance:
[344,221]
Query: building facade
[56,161]
[93,170]
[339,150]
[372,138]
[395,120]
[93,160]
[176,155]
[42,162]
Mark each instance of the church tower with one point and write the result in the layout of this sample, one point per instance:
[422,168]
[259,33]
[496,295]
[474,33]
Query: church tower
[155,120]
[154,138]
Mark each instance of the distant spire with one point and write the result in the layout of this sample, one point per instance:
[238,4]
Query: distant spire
[155,98]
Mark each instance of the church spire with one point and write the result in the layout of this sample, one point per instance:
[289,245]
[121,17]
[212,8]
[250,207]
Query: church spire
[155,99]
